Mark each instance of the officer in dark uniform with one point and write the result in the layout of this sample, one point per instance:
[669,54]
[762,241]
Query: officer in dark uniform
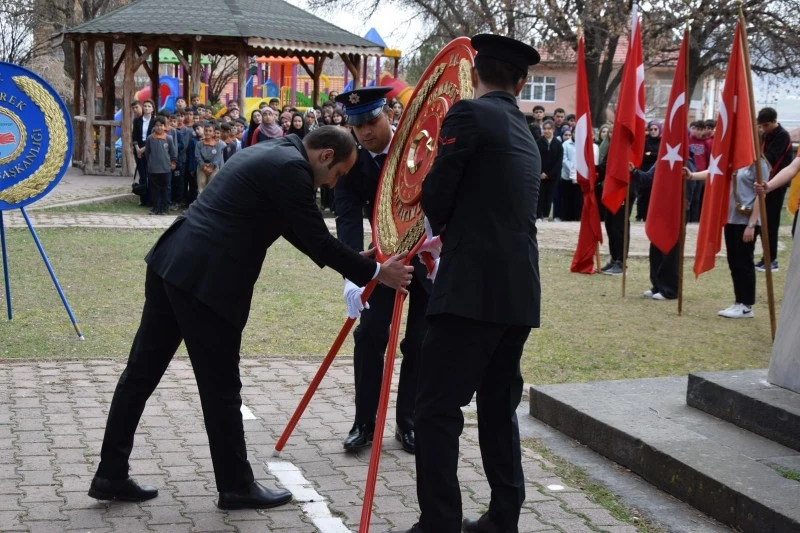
[481,197]
[355,200]
[198,288]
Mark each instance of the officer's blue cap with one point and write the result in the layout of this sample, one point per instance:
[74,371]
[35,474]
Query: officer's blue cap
[505,49]
[363,105]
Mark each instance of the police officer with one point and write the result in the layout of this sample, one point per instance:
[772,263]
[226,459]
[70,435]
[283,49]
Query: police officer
[486,295]
[355,197]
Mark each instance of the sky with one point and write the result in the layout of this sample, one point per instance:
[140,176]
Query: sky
[394,24]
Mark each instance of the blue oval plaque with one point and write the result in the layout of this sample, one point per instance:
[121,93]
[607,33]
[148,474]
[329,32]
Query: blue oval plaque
[35,137]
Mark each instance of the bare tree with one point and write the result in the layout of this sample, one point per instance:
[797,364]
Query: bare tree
[16,34]
[222,70]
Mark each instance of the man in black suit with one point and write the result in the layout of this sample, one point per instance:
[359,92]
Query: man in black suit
[355,199]
[199,284]
[142,128]
[481,197]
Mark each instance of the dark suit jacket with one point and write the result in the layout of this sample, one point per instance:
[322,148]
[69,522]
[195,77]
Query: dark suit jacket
[355,199]
[216,250]
[482,191]
[138,124]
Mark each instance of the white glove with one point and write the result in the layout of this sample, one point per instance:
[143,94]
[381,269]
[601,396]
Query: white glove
[352,299]
[432,275]
[428,229]
[432,245]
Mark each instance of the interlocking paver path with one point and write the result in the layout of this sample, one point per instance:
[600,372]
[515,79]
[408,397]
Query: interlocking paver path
[52,417]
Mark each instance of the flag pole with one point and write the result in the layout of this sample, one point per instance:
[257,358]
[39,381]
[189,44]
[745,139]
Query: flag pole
[682,237]
[625,237]
[762,206]
[597,256]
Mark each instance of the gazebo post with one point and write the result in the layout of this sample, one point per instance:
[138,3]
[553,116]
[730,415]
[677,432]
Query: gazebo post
[91,89]
[155,93]
[396,66]
[196,67]
[353,64]
[319,60]
[185,80]
[76,82]
[242,76]
[364,71]
[109,97]
[128,163]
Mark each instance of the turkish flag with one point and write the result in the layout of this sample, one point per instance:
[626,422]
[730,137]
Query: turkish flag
[590,233]
[627,139]
[663,225]
[732,149]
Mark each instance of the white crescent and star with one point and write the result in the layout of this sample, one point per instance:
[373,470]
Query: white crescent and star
[672,155]
[713,168]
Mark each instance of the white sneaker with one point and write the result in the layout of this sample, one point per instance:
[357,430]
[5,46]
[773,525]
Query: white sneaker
[648,293]
[727,311]
[738,311]
[659,296]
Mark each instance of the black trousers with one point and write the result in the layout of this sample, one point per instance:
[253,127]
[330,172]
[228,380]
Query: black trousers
[642,202]
[694,200]
[774,201]
[571,199]
[371,338]
[547,188]
[461,356]
[664,271]
[740,262]
[169,316]
[158,192]
[615,228]
[141,168]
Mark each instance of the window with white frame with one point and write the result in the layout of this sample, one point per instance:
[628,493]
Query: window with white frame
[539,89]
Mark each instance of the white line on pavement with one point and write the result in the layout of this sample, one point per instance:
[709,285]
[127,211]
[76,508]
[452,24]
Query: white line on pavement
[314,505]
[247,414]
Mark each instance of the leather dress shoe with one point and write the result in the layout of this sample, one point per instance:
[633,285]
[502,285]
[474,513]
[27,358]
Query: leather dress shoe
[406,439]
[359,437]
[255,496]
[126,490]
[481,525]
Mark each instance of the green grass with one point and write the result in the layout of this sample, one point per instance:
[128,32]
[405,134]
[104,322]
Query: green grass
[577,477]
[589,332]
[788,473]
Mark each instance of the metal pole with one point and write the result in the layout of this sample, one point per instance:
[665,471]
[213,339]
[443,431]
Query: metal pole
[5,266]
[323,369]
[52,274]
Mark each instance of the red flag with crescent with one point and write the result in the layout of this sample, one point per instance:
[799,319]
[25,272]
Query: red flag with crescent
[590,233]
[731,150]
[627,139]
[663,225]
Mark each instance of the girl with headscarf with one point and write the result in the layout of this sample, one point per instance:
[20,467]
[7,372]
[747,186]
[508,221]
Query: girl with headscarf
[286,121]
[268,128]
[311,119]
[252,131]
[297,126]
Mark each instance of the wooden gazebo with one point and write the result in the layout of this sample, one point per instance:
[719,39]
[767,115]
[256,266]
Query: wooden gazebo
[190,28]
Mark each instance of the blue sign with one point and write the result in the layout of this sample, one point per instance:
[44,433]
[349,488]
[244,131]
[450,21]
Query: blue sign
[35,137]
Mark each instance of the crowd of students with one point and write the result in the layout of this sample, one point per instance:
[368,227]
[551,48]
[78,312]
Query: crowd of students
[178,154]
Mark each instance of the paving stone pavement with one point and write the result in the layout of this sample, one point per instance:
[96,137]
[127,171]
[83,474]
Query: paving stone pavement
[53,414]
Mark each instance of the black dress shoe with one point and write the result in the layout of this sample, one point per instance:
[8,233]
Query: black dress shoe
[406,439]
[126,490]
[359,437]
[254,497]
[481,525]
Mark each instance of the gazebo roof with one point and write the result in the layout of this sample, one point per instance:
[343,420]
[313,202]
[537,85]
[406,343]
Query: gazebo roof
[262,24]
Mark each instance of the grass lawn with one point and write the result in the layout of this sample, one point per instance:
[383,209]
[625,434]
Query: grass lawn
[589,332]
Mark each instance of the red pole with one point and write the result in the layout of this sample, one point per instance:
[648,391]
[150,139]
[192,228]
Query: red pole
[383,405]
[323,369]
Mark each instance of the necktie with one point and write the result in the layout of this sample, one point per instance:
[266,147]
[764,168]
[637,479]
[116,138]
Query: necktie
[379,160]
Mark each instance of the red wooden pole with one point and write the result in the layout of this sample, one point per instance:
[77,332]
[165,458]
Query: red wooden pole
[383,406]
[323,369]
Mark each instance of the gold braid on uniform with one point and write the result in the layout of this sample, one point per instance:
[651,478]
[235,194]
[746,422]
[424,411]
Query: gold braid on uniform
[56,150]
[387,230]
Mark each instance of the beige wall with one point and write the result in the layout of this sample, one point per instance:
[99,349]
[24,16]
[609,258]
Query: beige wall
[565,90]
